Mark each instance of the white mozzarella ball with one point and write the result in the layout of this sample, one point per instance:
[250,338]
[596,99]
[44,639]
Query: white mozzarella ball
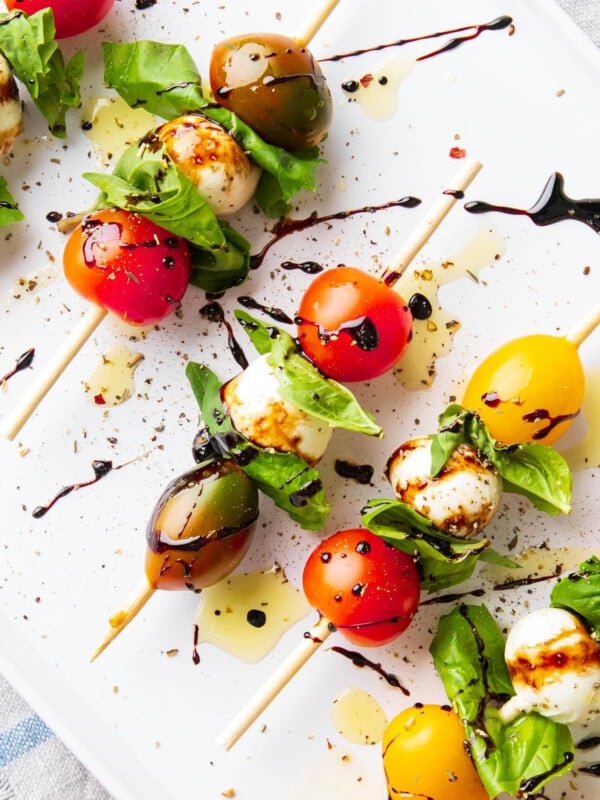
[11,114]
[212,160]
[554,665]
[461,500]
[258,411]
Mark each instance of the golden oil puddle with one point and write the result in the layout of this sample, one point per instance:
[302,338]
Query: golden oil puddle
[246,614]
[358,717]
[111,125]
[586,453]
[377,90]
[432,337]
[111,382]
[537,562]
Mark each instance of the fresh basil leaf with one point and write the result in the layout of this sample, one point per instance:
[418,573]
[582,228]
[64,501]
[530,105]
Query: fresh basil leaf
[28,44]
[539,473]
[301,383]
[534,471]
[9,211]
[290,482]
[147,181]
[579,591]
[443,560]
[162,78]
[229,267]
[518,757]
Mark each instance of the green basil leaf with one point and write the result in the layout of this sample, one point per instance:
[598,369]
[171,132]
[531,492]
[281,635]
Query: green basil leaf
[28,44]
[443,560]
[579,591]
[162,78]
[147,181]
[534,471]
[301,383]
[217,271]
[523,755]
[9,211]
[290,482]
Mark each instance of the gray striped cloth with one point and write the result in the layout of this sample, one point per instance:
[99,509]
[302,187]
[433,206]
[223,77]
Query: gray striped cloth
[34,764]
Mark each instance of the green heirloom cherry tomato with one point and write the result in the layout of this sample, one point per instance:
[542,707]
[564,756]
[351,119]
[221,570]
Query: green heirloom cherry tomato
[128,265]
[70,18]
[352,326]
[201,527]
[367,589]
[275,86]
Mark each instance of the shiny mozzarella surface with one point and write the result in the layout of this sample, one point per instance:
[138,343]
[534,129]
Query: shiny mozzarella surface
[461,500]
[258,411]
[212,160]
[554,665]
[11,115]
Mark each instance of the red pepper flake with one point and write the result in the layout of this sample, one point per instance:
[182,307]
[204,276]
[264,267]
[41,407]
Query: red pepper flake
[99,400]
[457,152]
[366,80]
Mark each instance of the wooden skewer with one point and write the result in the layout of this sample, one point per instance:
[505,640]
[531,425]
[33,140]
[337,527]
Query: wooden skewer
[45,380]
[305,649]
[431,222]
[582,330]
[278,680]
[121,620]
[314,21]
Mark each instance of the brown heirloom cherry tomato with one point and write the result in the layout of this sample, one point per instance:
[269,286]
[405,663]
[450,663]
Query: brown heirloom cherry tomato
[424,756]
[69,18]
[127,265]
[275,86]
[367,589]
[201,527]
[352,326]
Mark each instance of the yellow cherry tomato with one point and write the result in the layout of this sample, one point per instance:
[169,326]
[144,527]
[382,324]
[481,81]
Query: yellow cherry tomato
[424,756]
[529,390]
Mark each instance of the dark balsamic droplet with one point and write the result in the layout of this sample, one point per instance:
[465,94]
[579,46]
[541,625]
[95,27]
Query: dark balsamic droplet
[308,267]
[256,618]
[420,307]
[23,361]
[214,312]
[361,473]
[275,313]
[363,547]
[53,216]
[359,660]
[100,468]
[325,557]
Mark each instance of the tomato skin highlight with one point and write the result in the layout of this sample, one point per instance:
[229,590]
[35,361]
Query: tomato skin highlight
[275,86]
[70,19]
[528,390]
[424,756]
[367,589]
[128,265]
[352,326]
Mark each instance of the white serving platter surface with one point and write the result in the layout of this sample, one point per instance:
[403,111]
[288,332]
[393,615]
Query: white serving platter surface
[524,102]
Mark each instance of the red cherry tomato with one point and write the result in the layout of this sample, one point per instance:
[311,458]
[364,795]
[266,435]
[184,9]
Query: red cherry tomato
[275,86]
[366,588]
[128,265]
[352,326]
[70,18]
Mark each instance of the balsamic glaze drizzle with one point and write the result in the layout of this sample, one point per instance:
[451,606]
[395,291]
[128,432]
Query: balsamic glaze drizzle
[277,314]
[553,205]
[214,312]
[361,473]
[359,660]
[499,23]
[286,226]
[101,469]
[23,361]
